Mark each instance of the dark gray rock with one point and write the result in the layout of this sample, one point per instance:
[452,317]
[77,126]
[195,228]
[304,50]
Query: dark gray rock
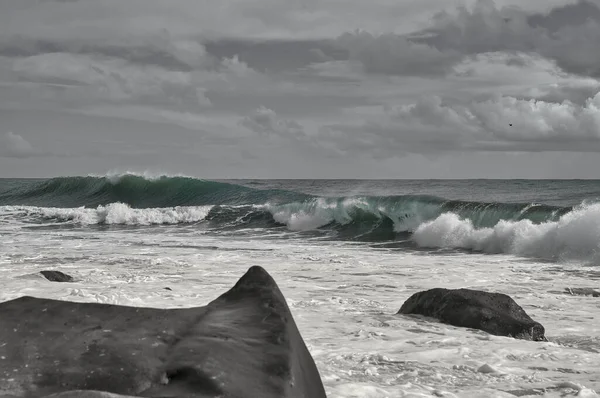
[56,276]
[87,394]
[495,313]
[245,343]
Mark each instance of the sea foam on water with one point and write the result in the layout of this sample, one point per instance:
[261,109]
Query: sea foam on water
[345,265]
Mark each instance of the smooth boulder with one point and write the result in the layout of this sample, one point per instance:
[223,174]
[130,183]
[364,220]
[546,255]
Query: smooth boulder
[245,343]
[494,313]
[56,276]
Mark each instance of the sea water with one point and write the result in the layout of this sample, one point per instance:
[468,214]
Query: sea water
[346,255]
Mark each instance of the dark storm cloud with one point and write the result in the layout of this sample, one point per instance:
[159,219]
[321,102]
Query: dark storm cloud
[569,35]
[567,15]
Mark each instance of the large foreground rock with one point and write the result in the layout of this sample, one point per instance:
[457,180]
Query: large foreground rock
[243,344]
[495,313]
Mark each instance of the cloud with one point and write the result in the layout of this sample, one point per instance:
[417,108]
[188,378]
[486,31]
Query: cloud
[158,49]
[14,146]
[77,81]
[569,35]
[265,122]
[304,79]
[395,55]
[273,55]
[497,123]
[575,92]
[177,37]
[108,78]
[576,13]
[115,20]
[491,120]
[209,126]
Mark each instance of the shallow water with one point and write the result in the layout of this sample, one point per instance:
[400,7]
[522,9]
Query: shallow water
[344,296]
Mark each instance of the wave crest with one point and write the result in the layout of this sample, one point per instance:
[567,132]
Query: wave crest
[114,214]
[527,229]
[575,236]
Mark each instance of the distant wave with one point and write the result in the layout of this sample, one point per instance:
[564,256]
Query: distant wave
[527,229]
[141,191]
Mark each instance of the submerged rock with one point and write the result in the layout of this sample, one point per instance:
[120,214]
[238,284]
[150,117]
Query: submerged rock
[245,343]
[494,313]
[582,291]
[56,276]
[87,394]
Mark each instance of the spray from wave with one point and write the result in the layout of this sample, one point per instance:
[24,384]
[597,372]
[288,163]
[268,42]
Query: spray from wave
[575,235]
[111,214]
[526,229]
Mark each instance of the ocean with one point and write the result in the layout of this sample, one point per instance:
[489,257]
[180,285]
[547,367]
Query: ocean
[346,254]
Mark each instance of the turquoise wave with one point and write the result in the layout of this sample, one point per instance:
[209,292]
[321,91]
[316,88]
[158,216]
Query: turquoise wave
[137,191]
[238,206]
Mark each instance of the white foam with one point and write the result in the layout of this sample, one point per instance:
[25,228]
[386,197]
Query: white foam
[114,213]
[316,213]
[343,298]
[575,236]
[303,216]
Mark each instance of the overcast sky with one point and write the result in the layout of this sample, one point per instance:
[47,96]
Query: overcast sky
[301,88]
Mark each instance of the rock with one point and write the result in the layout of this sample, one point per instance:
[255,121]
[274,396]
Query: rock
[87,394]
[485,368]
[245,343]
[527,392]
[494,313]
[56,276]
[582,291]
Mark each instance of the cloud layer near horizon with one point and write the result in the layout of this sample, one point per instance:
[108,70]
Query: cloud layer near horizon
[13,145]
[241,82]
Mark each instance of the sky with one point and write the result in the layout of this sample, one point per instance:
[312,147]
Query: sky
[301,88]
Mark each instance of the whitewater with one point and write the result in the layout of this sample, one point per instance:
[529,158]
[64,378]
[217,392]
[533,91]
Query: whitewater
[346,255]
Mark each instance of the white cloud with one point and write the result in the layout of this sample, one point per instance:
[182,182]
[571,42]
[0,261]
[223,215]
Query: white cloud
[14,146]
[577,92]
[539,121]
[498,123]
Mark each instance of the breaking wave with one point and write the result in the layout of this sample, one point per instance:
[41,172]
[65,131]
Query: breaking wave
[574,236]
[527,229]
